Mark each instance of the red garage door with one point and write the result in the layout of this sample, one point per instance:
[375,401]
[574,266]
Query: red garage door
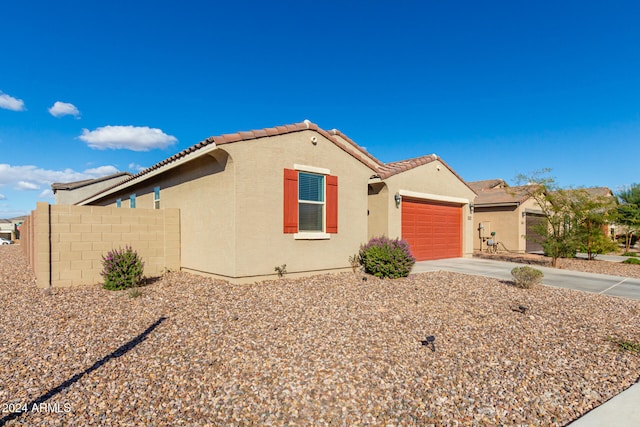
[433,230]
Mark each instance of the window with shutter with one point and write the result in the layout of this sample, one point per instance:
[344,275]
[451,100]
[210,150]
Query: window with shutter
[310,203]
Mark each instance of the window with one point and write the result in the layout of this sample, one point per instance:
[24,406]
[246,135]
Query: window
[310,203]
[132,201]
[156,198]
[118,203]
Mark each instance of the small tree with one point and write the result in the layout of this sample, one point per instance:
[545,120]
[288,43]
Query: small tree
[628,212]
[592,212]
[558,240]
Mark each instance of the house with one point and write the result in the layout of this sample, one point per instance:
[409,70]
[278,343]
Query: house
[297,195]
[72,192]
[505,217]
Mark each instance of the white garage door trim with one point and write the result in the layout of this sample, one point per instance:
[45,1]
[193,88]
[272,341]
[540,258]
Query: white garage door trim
[434,197]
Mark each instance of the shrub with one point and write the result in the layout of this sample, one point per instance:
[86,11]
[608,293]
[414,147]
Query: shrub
[631,261]
[384,257]
[526,277]
[121,269]
[634,254]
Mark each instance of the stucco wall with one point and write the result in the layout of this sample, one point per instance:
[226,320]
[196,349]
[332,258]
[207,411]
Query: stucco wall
[203,189]
[259,169]
[435,179]
[508,223]
[231,207]
[65,244]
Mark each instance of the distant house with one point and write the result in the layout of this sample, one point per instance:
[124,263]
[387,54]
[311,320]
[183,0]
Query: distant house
[10,228]
[505,216]
[296,195]
[72,192]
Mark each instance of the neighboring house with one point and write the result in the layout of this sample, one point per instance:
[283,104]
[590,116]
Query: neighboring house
[72,192]
[6,229]
[505,216]
[297,195]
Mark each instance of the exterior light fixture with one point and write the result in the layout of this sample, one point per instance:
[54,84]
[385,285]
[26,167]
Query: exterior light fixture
[472,207]
[398,199]
[429,342]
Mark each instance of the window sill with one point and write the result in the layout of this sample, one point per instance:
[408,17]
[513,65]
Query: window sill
[312,236]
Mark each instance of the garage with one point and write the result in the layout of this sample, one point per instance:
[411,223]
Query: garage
[534,239]
[432,229]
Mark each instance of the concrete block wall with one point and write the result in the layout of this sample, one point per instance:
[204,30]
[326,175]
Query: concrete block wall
[65,244]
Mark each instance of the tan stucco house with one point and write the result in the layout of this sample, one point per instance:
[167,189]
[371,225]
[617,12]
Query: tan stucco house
[72,192]
[505,217]
[297,195]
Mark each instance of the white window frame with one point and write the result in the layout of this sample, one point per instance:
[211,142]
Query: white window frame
[156,198]
[314,235]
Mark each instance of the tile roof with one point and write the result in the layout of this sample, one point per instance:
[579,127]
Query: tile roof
[502,196]
[77,184]
[338,138]
[487,184]
[351,147]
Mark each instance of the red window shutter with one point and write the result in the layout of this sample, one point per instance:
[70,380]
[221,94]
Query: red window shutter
[290,201]
[332,204]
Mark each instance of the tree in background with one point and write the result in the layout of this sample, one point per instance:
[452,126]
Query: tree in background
[628,212]
[591,213]
[573,219]
[555,230]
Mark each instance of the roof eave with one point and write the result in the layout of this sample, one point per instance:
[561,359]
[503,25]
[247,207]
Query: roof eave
[157,171]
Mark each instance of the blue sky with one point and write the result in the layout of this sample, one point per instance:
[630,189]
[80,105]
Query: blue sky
[495,88]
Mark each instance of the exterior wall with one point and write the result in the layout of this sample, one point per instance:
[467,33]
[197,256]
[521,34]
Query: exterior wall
[231,205]
[261,243]
[70,197]
[64,244]
[378,212]
[508,222]
[505,222]
[430,179]
[203,189]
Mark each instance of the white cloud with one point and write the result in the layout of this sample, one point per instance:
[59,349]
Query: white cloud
[47,194]
[135,138]
[34,178]
[10,103]
[3,197]
[60,109]
[100,171]
[136,167]
[26,186]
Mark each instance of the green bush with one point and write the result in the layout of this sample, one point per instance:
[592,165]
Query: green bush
[634,254]
[384,257]
[631,261]
[121,269]
[526,277]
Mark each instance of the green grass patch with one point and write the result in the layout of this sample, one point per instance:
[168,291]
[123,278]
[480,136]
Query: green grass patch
[631,261]
[627,345]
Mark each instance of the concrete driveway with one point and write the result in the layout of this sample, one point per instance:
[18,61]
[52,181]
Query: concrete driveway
[589,282]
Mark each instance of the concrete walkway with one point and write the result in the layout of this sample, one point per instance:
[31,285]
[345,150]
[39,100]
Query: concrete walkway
[589,282]
[622,410]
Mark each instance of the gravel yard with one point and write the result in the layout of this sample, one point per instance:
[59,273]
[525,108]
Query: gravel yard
[325,350]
